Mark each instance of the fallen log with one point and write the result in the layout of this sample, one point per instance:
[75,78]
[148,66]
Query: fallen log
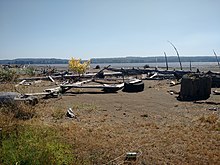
[72,76]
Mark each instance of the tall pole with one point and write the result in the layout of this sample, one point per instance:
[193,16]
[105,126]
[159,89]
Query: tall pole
[166,60]
[190,65]
[216,58]
[177,54]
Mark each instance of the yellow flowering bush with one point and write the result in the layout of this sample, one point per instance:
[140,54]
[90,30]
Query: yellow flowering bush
[76,66]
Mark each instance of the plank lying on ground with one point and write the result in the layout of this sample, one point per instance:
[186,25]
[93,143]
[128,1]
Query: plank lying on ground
[94,86]
[36,94]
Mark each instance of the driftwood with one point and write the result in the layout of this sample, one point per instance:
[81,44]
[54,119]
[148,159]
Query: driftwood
[12,97]
[177,54]
[72,76]
[137,71]
[216,92]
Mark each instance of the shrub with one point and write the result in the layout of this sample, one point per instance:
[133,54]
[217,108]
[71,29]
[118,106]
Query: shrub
[76,66]
[7,75]
[30,71]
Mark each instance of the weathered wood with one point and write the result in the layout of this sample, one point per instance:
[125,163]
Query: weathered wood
[195,87]
[87,75]
[216,58]
[177,54]
[51,79]
[166,60]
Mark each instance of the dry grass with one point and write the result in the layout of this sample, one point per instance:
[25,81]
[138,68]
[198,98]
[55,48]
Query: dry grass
[165,131]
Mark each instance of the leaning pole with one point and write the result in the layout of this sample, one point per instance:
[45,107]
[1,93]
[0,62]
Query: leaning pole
[166,60]
[216,58]
[177,54]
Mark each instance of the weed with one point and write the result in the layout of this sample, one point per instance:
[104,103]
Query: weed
[18,110]
[58,114]
[211,119]
[85,107]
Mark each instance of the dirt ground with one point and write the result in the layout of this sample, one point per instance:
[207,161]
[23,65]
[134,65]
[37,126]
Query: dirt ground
[153,123]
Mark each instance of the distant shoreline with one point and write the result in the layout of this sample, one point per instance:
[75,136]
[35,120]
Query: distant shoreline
[156,59]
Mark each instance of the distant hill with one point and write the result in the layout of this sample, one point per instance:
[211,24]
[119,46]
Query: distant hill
[153,59]
[35,61]
[112,60]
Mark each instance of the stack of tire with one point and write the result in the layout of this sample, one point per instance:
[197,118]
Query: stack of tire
[133,86]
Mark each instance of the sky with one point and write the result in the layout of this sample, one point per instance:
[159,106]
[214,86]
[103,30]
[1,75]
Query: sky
[108,28]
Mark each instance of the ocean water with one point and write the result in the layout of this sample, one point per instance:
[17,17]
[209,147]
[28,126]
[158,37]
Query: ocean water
[198,65]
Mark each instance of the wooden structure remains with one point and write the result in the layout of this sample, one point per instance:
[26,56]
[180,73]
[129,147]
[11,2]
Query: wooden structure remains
[195,87]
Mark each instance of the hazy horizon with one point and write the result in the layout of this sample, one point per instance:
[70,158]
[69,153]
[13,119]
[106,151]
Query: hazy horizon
[108,28]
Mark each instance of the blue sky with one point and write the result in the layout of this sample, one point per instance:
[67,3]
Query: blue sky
[107,28]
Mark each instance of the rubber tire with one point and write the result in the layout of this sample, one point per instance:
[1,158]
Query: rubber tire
[137,87]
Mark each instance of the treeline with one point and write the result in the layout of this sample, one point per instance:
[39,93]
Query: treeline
[35,61]
[112,60]
[153,59]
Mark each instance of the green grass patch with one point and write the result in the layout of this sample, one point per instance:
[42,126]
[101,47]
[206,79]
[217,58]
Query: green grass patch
[34,145]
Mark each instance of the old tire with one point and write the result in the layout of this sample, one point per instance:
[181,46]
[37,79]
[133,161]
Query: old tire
[136,87]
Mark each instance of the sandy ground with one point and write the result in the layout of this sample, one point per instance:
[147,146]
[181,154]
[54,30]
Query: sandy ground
[153,123]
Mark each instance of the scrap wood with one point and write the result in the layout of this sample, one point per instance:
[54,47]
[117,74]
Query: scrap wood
[154,75]
[173,92]
[134,81]
[36,94]
[173,83]
[216,92]
[214,109]
[51,79]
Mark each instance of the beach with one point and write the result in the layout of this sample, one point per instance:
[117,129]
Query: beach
[152,123]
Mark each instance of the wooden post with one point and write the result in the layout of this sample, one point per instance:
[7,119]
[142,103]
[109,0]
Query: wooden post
[166,60]
[216,58]
[190,66]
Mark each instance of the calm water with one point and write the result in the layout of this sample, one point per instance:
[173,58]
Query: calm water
[130,65]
